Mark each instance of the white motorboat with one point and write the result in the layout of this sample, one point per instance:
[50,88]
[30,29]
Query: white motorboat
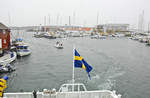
[6,69]
[59,45]
[148,43]
[98,37]
[7,58]
[23,50]
[39,35]
[75,34]
[49,35]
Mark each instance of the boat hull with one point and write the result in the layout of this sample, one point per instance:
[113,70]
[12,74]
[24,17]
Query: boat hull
[59,47]
[23,53]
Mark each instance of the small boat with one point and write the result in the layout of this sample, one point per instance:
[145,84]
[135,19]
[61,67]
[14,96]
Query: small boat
[39,35]
[7,58]
[59,45]
[75,34]
[143,40]
[98,37]
[23,50]
[49,35]
[6,69]
[148,43]
[17,41]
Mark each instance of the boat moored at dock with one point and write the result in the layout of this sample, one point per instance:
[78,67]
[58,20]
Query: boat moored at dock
[22,48]
[7,58]
[98,37]
[7,68]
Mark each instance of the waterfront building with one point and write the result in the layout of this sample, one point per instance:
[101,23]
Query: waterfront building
[113,28]
[4,36]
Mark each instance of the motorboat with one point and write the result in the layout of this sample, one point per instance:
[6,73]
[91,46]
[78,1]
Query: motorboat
[49,35]
[59,45]
[8,57]
[148,43]
[39,35]
[98,37]
[6,69]
[23,50]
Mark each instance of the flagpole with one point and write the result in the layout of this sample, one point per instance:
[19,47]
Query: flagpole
[73,70]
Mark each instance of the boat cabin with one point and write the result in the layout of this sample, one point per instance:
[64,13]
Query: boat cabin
[22,47]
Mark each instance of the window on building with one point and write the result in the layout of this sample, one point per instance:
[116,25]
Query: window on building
[1,31]
[4,41]
[4,31]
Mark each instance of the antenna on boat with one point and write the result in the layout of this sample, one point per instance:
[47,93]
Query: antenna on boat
[73,69]
[74,18]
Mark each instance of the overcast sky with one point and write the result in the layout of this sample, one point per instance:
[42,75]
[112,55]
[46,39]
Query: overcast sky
[82,12]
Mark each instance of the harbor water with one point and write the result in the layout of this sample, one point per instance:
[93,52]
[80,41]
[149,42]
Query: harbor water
[118,64]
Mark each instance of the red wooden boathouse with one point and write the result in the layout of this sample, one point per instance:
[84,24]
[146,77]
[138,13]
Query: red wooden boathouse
[4,37]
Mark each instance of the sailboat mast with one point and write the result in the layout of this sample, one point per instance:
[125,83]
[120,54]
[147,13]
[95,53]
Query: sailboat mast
[49,19]
[69,21]
[143,21]
[97,18]
[74,18]
[44,23]
[9,18]
[149,27]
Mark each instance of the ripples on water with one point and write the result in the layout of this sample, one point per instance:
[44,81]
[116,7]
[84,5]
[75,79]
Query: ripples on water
[118,64]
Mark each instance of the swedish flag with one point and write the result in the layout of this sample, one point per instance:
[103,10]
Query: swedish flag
[81,63]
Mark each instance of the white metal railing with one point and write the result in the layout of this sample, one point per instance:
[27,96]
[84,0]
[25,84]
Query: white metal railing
[75,90]
[72,87]
[81,94]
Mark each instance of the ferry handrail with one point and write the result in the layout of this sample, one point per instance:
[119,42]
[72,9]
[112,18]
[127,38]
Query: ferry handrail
[72,84]
[58,94]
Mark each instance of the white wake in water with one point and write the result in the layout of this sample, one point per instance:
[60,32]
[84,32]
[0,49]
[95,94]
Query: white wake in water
[105,80]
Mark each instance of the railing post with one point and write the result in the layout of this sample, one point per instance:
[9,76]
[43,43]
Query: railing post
[114,92]
[119,96]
